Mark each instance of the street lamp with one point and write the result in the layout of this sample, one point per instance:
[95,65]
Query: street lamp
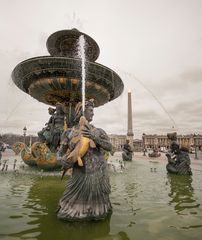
[24,132]
[143,143]
[195,156]
[30,141]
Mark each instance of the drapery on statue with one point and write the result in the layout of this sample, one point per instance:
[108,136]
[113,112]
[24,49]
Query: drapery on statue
[127,153]
[86,196]
[178,158]
[54,127]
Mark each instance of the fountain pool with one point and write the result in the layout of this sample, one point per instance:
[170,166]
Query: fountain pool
[147,204]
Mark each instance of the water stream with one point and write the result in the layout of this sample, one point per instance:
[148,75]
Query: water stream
[81,53]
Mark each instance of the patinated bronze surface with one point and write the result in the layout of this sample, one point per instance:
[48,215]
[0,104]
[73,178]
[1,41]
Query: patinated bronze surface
[58,79]
[2,148]
[86,196]
[127,153]
[178,158]
[64,43]
[155,153]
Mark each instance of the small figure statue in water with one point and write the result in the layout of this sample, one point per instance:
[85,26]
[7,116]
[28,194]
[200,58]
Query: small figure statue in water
[127,153]
[86,196]
[178,158]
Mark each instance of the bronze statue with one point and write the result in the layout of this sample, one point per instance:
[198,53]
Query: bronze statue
[86,196]
[2,147]
[155,153]
[82,144]
[45,133]
[57,78]
[26,154]
[178,158]
[127,153]
[57,128]
[54,128]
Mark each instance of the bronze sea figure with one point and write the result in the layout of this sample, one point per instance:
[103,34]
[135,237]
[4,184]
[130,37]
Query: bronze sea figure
[178,157]
[86,196]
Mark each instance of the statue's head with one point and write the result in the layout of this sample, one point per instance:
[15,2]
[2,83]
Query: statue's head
[174,147]
[88,113]
[59,108]
[172,136]
[51,110]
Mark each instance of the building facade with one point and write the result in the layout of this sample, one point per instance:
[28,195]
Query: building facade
[117,141]
[156,141]
[161,141]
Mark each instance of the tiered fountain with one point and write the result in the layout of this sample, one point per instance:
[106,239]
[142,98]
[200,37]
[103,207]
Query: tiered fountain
[57,79]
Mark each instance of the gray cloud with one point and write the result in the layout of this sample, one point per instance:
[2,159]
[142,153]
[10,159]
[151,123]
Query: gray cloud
[156,52]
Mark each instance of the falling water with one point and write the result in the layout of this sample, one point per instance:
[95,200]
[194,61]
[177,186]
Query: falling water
[162,106]
[81,53]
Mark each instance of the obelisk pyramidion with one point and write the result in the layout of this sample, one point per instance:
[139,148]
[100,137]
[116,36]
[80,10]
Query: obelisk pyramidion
[130,123]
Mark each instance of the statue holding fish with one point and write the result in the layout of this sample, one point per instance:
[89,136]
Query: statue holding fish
[83,149]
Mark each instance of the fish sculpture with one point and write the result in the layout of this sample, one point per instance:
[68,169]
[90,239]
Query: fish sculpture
[82,144]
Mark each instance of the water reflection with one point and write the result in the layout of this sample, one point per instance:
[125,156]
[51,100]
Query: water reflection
[140,207]
[41,205]
[182,194]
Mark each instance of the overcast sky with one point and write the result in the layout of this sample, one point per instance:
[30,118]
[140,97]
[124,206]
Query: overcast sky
[154,45]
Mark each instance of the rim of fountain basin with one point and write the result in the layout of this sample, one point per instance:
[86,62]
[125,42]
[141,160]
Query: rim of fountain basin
[31,72]
[63,43]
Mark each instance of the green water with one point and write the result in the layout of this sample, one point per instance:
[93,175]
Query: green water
[146,205]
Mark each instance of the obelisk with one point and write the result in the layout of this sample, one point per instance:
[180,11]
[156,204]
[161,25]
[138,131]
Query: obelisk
[130,122]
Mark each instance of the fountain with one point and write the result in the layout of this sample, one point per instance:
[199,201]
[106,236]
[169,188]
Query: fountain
[56,80]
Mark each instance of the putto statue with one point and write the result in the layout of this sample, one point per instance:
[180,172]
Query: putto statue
[178,157]
[83,148]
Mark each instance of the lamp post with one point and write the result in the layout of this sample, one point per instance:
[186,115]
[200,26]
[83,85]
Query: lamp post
[143,143]
[195,156]
[24,132]
[30,141]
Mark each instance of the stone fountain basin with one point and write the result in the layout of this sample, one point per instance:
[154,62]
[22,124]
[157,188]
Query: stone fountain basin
[58,79]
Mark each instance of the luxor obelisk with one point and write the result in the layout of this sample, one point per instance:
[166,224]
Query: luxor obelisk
[130,134]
